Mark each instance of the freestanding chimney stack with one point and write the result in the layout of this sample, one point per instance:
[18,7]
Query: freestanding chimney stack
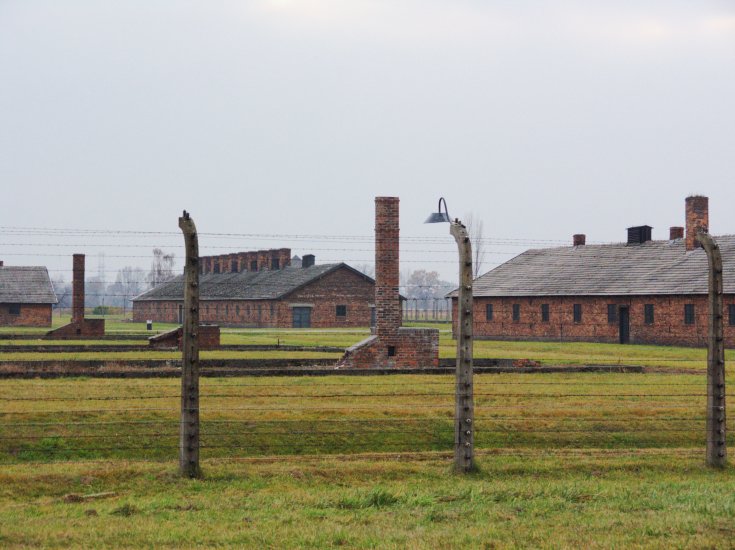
[579,239]
[697,219]
[77,300]
[387,296]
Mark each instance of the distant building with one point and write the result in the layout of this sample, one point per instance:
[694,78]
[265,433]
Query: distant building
[26,296]
[273,294]
[642,291]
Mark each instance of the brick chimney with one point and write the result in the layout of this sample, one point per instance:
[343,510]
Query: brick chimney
[579,239]
[387,296]
[308,260]
[77,299]
[2,263]
[676,233]
[697,218]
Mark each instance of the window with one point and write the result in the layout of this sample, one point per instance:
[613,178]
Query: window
[577,313]
[254,265]
[688,314]
[488,312]
[516,312]
[648,313]
[731,311]
[391,351]
[544,313]
[341,311]
[216,268]
[233,266]
[275,264]
[14,309]
[612,313]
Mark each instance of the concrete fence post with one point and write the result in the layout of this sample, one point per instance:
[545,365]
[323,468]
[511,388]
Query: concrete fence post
[189,427]
[716,424]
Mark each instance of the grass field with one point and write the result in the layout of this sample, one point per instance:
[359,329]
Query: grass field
[557,499]
[566,460]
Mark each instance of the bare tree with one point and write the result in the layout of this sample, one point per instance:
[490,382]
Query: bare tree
[475,228]
[128,284]
[162,268]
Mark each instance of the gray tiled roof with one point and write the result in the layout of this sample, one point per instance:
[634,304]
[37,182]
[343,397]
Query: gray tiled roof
[258,285]
[655,267]
[26,285]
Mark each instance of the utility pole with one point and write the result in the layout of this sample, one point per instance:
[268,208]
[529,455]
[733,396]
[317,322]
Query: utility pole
[464,430]
[189,429]
[716,425]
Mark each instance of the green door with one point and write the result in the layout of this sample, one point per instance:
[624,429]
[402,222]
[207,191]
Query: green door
[301,317]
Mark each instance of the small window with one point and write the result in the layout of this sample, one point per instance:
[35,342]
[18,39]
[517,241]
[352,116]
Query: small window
[577,313]
[14,309]
[237,310]
[688,314]
[391,351]
[341,311]
[233,266]
[516,312]
[254,265]
[275,264]
[216,267]
[544,313]
[731,311]
[488,312]
[612,313]
[648,313]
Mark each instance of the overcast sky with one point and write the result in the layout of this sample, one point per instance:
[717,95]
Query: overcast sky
[287,117]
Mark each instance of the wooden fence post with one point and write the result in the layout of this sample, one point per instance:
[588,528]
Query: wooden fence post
[716,425]
[464,415]
[189,429]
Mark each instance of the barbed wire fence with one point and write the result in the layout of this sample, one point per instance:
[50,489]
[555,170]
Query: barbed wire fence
[93,419]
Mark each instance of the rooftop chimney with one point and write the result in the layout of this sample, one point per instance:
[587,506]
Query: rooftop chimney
[697,218]
[308,260]
[77,299]
[2,263]
[676,233]
[639,234]
[579,239]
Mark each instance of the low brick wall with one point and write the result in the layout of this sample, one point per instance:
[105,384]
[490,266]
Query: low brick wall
[78,330]
[411,348]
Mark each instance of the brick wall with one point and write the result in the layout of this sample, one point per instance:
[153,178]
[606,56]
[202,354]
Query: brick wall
[668,327]
[209,338]
[340,287]
[31,315]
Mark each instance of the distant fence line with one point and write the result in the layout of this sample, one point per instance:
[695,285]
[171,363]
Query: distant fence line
[427,309]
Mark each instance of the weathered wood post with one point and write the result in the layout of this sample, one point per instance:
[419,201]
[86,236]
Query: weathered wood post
[716,425]
[189,429]
[464,416]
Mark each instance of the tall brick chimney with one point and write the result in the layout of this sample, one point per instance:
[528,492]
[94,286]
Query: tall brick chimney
[77,300]
[579,239]
[387,296]
[697,218]
[676,232]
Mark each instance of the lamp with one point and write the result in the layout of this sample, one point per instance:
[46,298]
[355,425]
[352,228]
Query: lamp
[439,216]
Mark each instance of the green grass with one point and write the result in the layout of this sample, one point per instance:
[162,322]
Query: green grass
[566,461]
[545,500]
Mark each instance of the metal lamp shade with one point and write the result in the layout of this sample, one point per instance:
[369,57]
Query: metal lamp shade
[438,217]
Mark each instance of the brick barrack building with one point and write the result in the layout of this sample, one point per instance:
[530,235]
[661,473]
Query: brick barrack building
[642,291]
[263,289]
[26,296]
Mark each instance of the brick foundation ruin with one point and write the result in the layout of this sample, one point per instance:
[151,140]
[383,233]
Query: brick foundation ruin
[79,328]
[209,338]
[391,345]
